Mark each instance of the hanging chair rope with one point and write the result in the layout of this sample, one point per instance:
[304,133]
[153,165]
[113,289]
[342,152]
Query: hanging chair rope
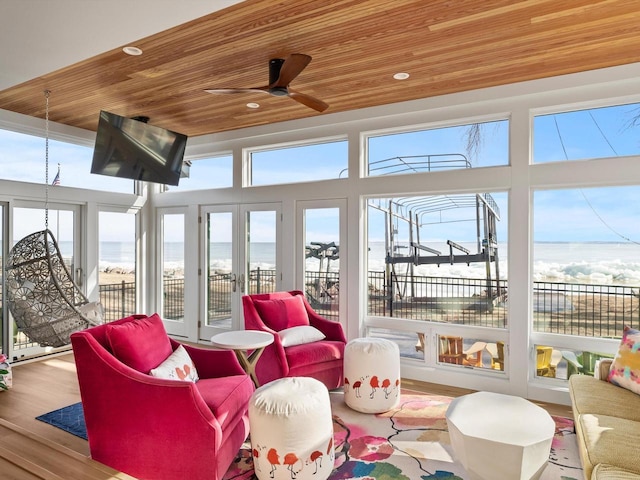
[46,160]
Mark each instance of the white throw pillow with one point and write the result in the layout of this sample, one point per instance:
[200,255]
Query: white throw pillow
[178,366]
[300,335]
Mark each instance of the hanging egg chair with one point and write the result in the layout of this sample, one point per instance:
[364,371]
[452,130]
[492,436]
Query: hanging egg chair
[46,304]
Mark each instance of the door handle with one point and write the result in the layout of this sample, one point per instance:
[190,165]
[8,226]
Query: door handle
[241,282]
[233,281]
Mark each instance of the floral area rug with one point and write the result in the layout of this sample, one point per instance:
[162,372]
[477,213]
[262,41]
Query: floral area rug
[410,442]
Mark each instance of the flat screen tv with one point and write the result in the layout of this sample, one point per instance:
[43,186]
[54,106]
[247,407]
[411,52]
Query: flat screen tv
[132,148]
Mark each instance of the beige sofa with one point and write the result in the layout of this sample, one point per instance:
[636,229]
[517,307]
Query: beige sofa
[607,422]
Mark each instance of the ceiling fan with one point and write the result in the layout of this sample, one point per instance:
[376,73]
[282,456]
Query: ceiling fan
[281,73]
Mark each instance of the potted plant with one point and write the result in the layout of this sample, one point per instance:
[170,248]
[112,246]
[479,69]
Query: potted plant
[5,373]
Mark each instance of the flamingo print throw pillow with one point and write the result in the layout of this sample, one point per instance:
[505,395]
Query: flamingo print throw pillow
[178,366]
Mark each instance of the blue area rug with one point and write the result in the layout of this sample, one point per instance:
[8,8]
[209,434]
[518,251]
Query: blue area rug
[70,419]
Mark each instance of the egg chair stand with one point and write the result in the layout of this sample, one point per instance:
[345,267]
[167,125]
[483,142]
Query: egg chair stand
[45,302]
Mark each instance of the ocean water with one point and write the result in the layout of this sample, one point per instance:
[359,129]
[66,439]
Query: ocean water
[585,263]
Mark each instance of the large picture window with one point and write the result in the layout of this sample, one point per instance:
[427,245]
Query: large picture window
[22,159]
[586,269]
[439,258]
[585,134]
[214,172]
[301,163]
[431,150]
[586,273]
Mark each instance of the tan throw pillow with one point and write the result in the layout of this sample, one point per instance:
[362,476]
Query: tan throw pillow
[93,312]
[178,366]
[625,369]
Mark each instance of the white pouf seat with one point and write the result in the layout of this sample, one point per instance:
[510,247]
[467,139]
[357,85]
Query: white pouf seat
[371,375]
[291,429]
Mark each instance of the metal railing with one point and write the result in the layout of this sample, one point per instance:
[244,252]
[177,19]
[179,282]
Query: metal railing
[569,309]
[563,308]
[118,300]
[462,301]
[585,310]
[173,298]
[321,291]
[262,281]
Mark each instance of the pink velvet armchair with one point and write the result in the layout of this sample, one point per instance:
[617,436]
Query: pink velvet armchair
[159,428]
[310,355]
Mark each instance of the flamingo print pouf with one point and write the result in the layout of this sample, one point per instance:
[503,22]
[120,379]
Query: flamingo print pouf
[371,375]
[292,430]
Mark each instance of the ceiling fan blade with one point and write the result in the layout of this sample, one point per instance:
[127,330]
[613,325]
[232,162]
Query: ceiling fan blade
[309,101]
[237,90]
[291,68]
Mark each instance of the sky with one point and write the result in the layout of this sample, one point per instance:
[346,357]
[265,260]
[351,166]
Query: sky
[600,214]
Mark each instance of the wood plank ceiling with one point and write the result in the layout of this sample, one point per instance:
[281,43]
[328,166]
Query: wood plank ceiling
[445,45]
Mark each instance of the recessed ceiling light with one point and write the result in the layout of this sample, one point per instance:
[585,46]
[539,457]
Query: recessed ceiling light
[253,105]
[132,51]
[401,76]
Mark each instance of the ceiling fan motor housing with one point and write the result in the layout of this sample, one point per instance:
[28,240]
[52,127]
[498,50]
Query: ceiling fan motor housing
[275,65]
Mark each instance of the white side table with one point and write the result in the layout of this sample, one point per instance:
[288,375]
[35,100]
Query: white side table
[241,342]
[500,437]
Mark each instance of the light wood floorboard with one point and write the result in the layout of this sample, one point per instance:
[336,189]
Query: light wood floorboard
[25,455]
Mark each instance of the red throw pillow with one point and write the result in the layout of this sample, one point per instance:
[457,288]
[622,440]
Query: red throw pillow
[142,344]
[281,313]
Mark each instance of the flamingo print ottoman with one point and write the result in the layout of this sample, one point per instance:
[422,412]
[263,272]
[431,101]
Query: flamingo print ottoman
[291,430]
[371,375]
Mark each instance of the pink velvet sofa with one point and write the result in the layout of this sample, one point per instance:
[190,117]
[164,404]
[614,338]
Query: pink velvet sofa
[159,428]
[320,359]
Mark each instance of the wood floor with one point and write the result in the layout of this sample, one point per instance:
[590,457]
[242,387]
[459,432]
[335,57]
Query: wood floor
[25,455]
[30,449]
[39,387]
[51,383]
